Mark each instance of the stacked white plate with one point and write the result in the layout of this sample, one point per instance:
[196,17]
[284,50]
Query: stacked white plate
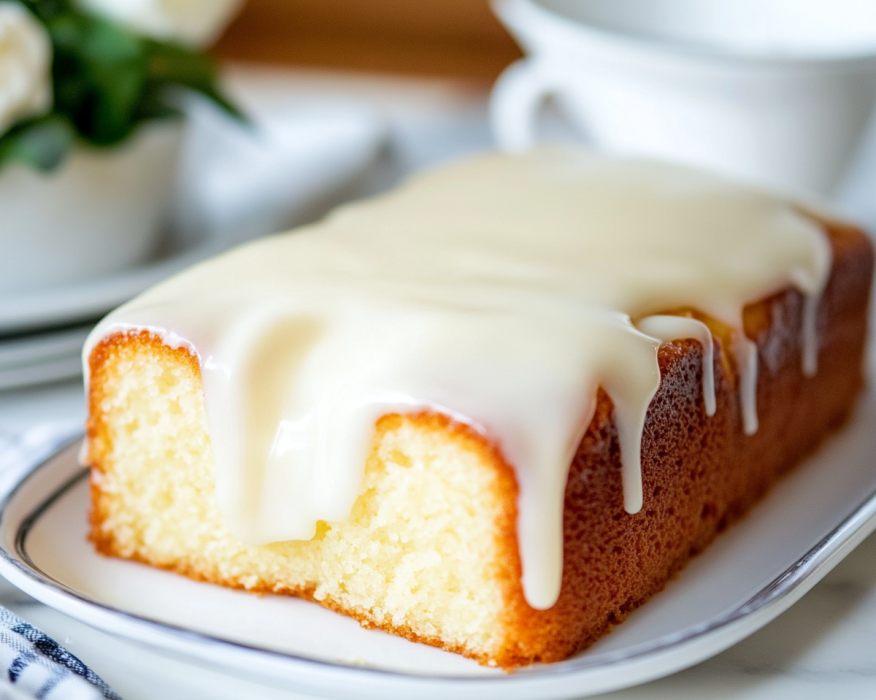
[40,357]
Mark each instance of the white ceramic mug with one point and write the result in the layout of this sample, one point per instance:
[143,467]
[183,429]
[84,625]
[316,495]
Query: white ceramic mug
[777,92]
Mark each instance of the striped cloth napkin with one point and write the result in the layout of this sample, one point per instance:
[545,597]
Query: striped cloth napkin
[42,668]
[33,665]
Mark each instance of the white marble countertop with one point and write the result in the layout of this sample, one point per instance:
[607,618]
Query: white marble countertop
[822,647]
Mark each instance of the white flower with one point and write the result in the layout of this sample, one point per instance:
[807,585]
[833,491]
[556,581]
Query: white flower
[25,66]
[194,22]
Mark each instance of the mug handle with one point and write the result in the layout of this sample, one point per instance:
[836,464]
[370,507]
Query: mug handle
[515,101]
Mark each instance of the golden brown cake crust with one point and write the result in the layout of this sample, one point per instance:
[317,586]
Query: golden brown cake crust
[700,474]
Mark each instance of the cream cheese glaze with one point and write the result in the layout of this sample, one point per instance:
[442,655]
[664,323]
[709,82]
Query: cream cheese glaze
[499,290]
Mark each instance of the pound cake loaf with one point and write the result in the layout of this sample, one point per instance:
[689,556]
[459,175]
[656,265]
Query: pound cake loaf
[494,411]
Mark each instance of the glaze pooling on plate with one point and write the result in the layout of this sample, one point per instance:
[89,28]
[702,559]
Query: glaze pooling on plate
[498,290]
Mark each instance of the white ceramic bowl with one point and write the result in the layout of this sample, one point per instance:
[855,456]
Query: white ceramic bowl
[100,212]
[774,91]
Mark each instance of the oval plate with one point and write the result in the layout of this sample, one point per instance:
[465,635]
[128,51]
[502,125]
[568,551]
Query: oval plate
[755,571]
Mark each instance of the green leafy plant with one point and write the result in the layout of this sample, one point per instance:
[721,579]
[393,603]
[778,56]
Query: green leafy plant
[106,81]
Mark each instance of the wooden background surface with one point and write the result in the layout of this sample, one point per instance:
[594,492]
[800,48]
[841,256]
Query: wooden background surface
[458,38]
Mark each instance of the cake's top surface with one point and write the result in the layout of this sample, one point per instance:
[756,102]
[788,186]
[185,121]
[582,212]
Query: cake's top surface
[501,290]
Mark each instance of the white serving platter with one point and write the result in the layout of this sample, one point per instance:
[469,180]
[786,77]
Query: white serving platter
[755,571]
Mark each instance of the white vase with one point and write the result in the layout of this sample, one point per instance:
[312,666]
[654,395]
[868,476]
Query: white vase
[100,212]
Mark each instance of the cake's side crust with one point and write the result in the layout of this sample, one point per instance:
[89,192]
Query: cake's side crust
[700,474]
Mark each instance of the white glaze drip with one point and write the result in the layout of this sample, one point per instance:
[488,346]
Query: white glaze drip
[810,334]
[669,328]
[498,290]
[745,354]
